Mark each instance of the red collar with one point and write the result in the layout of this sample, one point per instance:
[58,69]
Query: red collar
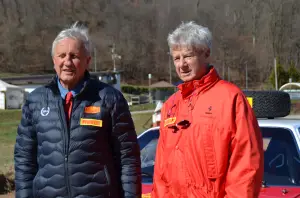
[201,85]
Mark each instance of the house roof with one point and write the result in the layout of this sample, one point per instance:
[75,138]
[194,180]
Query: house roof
[4,86]
[161,84]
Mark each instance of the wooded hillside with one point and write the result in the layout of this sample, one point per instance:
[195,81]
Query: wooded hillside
[247,34]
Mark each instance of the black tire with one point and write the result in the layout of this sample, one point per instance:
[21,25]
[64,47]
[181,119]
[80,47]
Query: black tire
[270,104]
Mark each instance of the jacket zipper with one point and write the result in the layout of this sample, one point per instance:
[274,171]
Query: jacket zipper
[108,178]
[66,144]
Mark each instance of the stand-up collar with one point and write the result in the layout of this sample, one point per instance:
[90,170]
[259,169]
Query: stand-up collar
[63,91]
[54,85]
[201,85]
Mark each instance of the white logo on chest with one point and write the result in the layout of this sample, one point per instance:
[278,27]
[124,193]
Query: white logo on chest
[45,111]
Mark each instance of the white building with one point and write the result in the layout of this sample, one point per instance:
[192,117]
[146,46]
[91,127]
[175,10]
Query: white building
[11,96]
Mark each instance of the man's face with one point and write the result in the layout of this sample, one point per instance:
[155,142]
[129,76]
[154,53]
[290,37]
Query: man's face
[70,61]
[189,64]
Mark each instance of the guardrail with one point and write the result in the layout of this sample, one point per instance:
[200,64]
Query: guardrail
[137,100]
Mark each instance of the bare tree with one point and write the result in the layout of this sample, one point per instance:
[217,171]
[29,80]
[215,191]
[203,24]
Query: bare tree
[247,34]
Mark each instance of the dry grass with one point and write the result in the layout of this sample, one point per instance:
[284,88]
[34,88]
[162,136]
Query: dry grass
[7,181]
[9,195]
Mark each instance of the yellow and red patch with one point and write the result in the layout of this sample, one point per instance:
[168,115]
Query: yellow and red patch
[90,122]
[92,109]
[169,121]
[147,195]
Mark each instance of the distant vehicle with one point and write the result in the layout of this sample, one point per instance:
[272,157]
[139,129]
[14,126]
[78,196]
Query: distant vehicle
[281,137]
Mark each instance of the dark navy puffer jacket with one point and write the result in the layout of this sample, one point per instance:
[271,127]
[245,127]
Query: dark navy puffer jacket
[82,161]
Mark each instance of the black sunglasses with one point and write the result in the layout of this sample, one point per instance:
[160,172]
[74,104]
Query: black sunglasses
[183,124]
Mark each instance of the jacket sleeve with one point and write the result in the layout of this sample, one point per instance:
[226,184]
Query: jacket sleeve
[25,155]
[126,149]
[159,186]
[245,172]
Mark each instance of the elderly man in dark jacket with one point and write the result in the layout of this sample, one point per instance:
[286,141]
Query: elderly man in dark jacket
[76,137]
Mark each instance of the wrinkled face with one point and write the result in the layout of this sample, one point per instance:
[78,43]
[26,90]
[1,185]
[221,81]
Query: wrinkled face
[190,64]
[70,61]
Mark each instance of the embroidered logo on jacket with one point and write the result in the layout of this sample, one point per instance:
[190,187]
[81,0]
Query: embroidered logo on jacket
[45,111]
[90,122]
[209,110]
[169,121]
[92,109]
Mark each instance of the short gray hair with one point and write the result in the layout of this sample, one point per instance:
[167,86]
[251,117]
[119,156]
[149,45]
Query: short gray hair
[192,35]
[77,31]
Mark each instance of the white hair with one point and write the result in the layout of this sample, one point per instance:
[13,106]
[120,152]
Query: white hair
[192,35]
[77,31]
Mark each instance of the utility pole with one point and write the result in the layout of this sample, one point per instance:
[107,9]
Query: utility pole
[223,62]
[170,68]
[253,41]
[228,73]
[149,78]
[223,70]
[275,71]
[95,60]
[246,75]
[114,56]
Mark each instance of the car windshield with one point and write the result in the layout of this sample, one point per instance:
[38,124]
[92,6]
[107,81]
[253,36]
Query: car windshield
[148,153]
[282,162]
[148,143]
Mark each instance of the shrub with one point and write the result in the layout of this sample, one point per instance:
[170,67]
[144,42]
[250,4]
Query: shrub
[139,90]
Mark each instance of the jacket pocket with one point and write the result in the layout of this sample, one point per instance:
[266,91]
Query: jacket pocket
[208,144]
[166,168]
[204,134]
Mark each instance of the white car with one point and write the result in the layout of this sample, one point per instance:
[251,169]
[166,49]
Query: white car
[281,137]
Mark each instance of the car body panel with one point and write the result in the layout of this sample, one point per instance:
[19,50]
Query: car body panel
[272,192]
[267,192]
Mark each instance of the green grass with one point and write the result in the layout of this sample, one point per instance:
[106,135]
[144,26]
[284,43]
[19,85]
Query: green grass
[127,96]
[8,129]
[10,115]
[142,121]
[142,107]
[295,101]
